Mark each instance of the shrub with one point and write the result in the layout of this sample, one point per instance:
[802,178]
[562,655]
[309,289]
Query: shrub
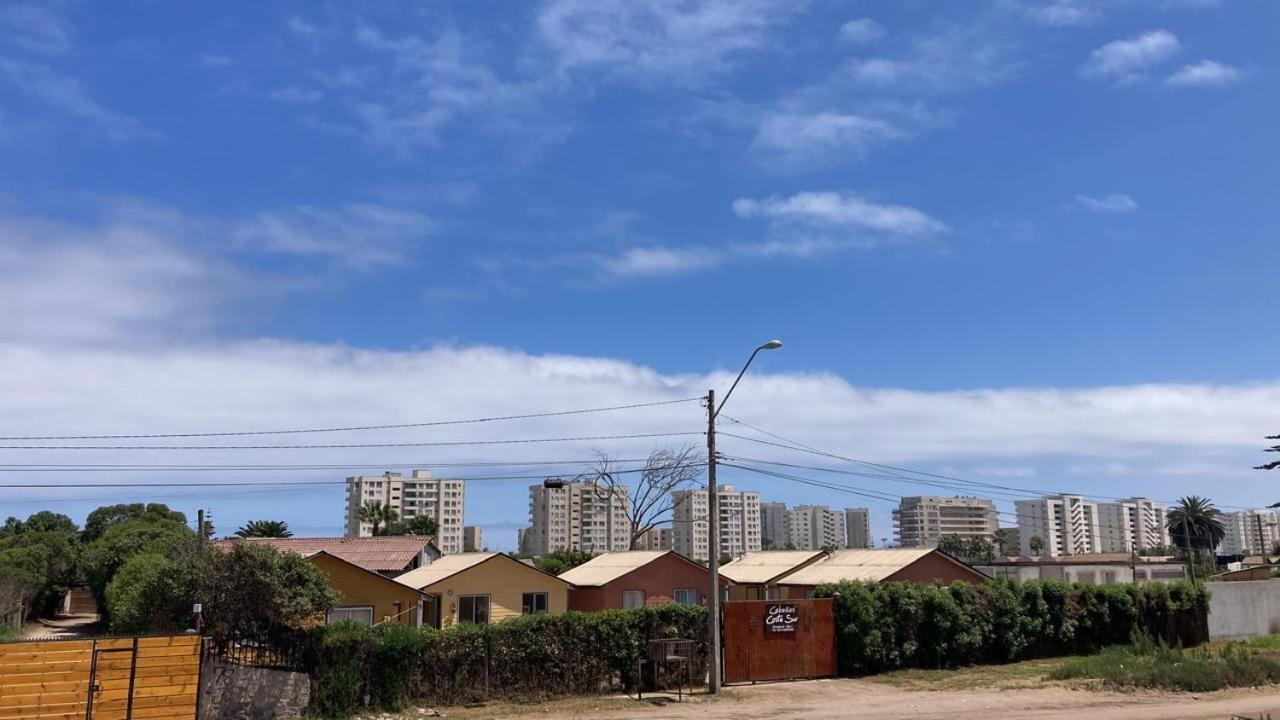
[521,658]
[887,626]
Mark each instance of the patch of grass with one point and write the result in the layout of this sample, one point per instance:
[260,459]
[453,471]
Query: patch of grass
[8,634]
[1026,674]
[1197,670]
[1265,642]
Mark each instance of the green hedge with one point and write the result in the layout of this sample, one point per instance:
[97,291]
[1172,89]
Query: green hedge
[893,625]
[523,658]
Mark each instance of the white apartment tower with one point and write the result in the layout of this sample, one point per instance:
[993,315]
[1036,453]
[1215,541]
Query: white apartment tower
[414,496]
[739,522]
[814,527]
[1249,532]
[1067,524]
[1132,525]
[774,531]
[578,516]
[857,527]
[922,521]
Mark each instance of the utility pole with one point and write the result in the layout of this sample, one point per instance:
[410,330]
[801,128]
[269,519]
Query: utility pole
[713,548]
[200,525]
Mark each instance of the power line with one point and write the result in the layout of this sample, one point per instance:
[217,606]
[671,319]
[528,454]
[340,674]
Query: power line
[396,426]
[455,443]
[145,467]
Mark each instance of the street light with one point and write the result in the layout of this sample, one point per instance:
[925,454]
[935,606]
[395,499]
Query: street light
[713,519]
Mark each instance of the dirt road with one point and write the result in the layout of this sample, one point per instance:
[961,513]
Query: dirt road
[865,699]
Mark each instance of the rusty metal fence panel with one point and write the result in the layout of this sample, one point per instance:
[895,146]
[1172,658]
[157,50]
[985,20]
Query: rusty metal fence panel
[767,640]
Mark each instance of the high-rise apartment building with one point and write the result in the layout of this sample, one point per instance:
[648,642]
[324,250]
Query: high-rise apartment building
[774,531]
[655,539]
[1249,532]
[472,538]
[1066,524]
[578,516]
[1132,525]
[739,522]
[922,521]
[857,528]
[814,527]
[414,496]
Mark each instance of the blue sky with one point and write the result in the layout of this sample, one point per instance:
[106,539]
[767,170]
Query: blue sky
[1041,234]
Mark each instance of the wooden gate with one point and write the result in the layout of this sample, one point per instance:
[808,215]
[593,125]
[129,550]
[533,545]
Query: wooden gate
[778,640]
[101,679]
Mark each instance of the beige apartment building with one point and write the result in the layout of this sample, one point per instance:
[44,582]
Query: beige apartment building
[417,495]
[739,522]
[814,527]
[857,527]
[1066,524]
[775,532]
[656,539]
[922,521]
[1132,525]
[472,538]
[578,516]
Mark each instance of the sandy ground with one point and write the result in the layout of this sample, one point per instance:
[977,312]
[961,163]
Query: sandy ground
[866,699]
[62,627]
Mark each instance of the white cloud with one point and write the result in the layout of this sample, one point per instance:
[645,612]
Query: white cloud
[680,40]
[296,94]
[660,260]
[1063,13]
[64,93]
[1112,203]
[35,29]
[1206,73]
[861,31]
[952,58]
[832,210]
[301,26]
[357,235]
[213,60]
[802,139]
[1130,59]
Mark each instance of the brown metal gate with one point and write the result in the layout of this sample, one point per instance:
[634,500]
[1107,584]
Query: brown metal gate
[778,640]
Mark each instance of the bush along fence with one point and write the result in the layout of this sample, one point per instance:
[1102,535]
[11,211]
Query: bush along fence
[354,667]
[887,626]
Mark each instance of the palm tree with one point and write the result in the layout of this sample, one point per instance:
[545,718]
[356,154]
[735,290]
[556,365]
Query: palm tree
[376,514]
[1195,524]
[264,529]
[1001,539]
[1036,543]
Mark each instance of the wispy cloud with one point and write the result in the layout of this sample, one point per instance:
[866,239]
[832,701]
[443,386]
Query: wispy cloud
[214,60]
[804,139]
[357,235]
[948,59]
[1063,13]
[35,29]
[64,93]
[1206,73]
[1130,59]
[861,31]
[1112,203]
[296,94]
[665,40]
[834,210]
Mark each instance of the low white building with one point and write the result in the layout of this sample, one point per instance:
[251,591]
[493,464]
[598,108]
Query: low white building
[1089,568]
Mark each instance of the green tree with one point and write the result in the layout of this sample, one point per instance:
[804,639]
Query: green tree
[973,550]
[155,592]
[1036,543]
[1275,449]
[43,521]
[101,520]
[141,534]
[561,561]
[38,559]
[1001,540]
[1195,524]
[254,588]
[376,514]
[423,525]
[264,529]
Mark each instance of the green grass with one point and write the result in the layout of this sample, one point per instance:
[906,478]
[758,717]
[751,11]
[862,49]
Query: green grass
[7,634]
[1196,670]
[1025,674]
[1266,642]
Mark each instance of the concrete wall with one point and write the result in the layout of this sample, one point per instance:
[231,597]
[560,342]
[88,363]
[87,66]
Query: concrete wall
[1243,609]
[234,692]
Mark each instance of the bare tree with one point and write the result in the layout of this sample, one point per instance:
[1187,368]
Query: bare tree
[666,471]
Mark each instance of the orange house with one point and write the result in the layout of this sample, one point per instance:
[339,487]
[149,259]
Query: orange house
[369,598]
[635,579]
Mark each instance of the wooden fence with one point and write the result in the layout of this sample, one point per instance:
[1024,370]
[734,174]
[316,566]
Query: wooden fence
[101,679]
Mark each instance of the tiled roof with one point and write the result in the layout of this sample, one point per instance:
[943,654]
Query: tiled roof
[763,566]
[604,569]
[393,553]
[450,565]
[868,564]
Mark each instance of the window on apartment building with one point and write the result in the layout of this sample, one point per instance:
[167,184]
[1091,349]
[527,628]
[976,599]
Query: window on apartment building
[533,603]
[685,596]
[362,615]
[632,599]
[473,609]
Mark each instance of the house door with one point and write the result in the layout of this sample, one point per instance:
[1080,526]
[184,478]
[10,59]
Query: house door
[778,640]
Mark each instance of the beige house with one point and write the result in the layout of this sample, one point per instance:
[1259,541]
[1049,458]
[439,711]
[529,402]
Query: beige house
[755,576]
[487,587]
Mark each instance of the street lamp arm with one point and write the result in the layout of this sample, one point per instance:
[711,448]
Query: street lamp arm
[771,345]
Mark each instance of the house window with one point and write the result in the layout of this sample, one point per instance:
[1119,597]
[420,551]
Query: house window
[362,615]
[687,596]
[533,603]
[473,609]
[632,599]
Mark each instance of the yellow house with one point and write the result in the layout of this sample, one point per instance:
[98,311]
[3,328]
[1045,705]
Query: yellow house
[486,587]
[370,598]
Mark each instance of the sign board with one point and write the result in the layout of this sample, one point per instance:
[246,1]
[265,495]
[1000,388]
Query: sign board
[781,617]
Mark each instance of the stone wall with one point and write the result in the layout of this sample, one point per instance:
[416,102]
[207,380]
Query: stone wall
[235,692]
[1239,610]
